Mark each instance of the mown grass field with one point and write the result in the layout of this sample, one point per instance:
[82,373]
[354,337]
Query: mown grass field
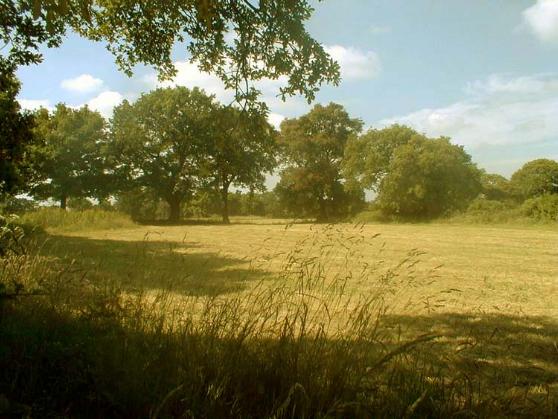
[505,270]
[262,318]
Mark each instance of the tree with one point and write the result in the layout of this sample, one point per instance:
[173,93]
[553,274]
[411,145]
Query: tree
[427,178]
[494,187]
[160,142]
[71,163]
[16,136]
[238,40]
[313,147]
[368,157]
[242,149]
[537,177]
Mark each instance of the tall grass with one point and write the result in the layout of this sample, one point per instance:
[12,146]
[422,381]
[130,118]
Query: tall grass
[91,219]
[301,345]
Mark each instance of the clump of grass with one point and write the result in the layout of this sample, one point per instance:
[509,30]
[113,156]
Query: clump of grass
[90,219]
[301,345]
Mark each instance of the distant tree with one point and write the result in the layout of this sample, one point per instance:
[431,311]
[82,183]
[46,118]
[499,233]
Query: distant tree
[16,136]
[70,164]
[427,178]
[269,39]
[535,178]
[242,149]
[311,183]
[368,157]
[161,142]
[494,187]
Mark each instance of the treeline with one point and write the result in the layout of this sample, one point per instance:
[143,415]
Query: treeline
[178,153]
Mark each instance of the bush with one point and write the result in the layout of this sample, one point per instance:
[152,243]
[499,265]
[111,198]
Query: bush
[92,219]
[15,205]
[542,208]
[372,216]
[487,211]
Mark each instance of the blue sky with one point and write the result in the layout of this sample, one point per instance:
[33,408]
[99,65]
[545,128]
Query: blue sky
[483,72]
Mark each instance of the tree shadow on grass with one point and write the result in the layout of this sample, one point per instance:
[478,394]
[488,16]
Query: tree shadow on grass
[152,264]
[504,351]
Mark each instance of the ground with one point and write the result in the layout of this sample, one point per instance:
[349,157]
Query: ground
[463,268]
[466,313]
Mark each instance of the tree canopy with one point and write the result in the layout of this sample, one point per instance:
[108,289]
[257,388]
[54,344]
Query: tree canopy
[536,177]
[157,142]
[238,40]
[369,156]
[16,136]
[242,149]
[427,178]
[313,147]
[70,163]
[495,187]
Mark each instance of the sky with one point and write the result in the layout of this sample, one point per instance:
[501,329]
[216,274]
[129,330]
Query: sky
[484,73]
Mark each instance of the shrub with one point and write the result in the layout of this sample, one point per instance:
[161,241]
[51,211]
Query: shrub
[92,219]
[541,208]
[372,216]
[16,205]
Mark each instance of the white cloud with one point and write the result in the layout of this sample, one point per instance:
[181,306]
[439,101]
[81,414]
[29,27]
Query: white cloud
[189,75]
[542,20]
[355,64]
[500,111]
[105,102]
[34,104]
[84,83]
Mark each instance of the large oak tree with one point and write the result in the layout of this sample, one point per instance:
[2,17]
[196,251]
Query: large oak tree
[70,162]
[161,141]
[313,147]
[241,151]
[427,178]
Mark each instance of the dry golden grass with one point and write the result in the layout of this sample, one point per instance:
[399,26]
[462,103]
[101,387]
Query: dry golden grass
[479,269]
[331,320]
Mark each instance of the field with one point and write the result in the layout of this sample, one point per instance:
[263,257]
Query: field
[263,318]
[505,270]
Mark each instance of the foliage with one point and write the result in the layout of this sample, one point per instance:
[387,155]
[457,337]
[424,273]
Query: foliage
[16,135]
[242,148]
[141,204]
[71,163]
[487,211]
[160,142]
[16,205]
[535,178]
[269,39]
[428,178]
[11,236]
[541,208]
[495,187]
[91,219]
[368,157]
[313,145]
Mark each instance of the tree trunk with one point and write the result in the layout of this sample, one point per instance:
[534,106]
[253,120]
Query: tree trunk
[63,202]
[174,214]
[225,203]
[322,216]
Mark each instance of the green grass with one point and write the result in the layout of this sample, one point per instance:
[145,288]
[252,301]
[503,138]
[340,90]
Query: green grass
[60,220]
[272,320]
